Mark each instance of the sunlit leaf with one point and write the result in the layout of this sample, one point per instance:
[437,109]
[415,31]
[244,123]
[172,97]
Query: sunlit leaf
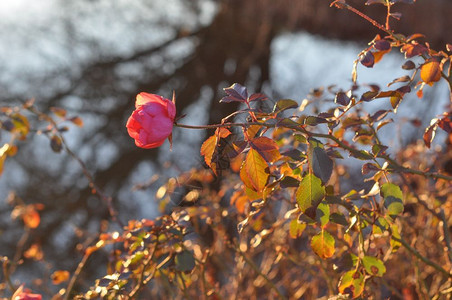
[31,217]
[431,72]
[254,170]
[267,148]
[395,234]
[323,244]
[34,252]
[310,192]
[352,284]
[59,277]
[60,112]
[21,125]
[284,104]
[208,148]
[374,266]
[77,121]
[323,214]
[392,199]
[413,49]
[445,123]
[296,228]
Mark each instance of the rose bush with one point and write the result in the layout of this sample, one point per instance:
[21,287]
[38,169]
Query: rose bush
[152,120]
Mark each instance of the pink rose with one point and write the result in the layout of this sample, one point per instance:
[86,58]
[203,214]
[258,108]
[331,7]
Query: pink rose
[152,120]
[25,294]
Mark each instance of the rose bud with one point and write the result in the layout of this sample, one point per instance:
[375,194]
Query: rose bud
[152,120]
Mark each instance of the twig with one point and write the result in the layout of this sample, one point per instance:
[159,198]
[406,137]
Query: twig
[256,269]
[423,258]
[6,273]
[107,199]
[80,266]
[141,281]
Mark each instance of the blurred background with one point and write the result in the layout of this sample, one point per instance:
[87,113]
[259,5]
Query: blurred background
[92,57]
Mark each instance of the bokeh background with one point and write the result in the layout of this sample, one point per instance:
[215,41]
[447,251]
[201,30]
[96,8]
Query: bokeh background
[92,57]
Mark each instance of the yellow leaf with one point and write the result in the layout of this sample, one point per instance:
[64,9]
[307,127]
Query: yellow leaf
[323,244]
[254,170]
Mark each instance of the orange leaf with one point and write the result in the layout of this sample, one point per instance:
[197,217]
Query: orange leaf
[209,146]
[431,72]
[240,201]
[59,277]
[254,170]
[222,132]
[207,150]
[60,112]
[77,121]
[31,217]
[34,252]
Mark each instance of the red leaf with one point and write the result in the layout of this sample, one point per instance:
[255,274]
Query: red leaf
[267,148]
[413,49]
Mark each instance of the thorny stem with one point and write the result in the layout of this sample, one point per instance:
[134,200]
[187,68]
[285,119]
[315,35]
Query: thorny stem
[393,163]
[341,4]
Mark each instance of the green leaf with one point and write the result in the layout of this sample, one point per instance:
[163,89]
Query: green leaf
[323,214]
[395,245]
[374,266]
[310,192]
[352,283]
[323,244]
[392,198]
[338,219]
[296,228]
[185,261]
[284,104]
